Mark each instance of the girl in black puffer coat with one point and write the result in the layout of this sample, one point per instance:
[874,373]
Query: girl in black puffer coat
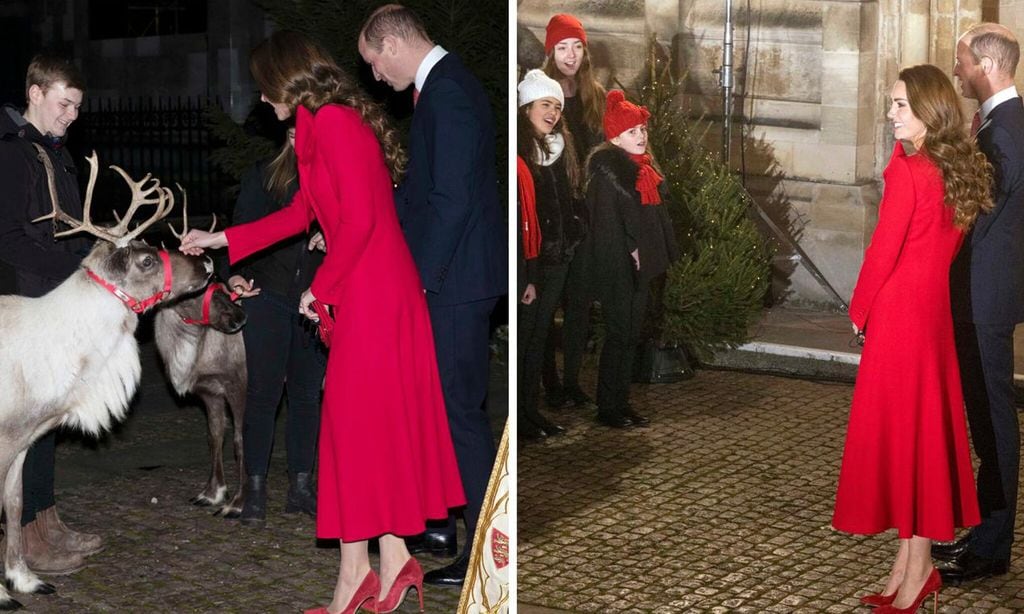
[633,243]
[546,148]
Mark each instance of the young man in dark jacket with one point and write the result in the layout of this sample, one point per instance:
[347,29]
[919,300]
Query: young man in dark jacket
[54,92]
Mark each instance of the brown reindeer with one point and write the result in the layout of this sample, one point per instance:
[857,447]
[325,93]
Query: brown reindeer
[203,355]
[70,357]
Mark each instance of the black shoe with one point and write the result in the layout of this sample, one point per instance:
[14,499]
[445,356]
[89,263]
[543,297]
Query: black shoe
[301,494]
[969,567]
[952,550]
[527,430]
[546,427]
[433,542]
[449,575]
[254,510]
[614,420]
[634,417]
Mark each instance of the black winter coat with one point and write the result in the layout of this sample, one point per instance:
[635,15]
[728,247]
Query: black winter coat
[40,262]
[561,227]
[286,268]
[583,137]
[620,224]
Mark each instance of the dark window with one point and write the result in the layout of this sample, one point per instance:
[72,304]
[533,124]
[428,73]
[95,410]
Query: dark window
[135,18]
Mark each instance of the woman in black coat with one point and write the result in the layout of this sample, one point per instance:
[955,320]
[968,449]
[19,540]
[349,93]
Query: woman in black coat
[633,243]
[281,351]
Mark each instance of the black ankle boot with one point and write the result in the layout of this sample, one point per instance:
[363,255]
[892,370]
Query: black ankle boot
[301,496]
[254,510]
[547,427]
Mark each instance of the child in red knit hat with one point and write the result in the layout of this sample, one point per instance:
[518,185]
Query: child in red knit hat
[634,244]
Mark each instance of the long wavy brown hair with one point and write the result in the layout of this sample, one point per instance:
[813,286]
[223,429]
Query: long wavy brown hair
[528,141]
[966,173]
[283,169]
[291,68]
[591,94]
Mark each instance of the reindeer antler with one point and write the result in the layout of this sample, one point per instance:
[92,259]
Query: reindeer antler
[184,216]
[119,235]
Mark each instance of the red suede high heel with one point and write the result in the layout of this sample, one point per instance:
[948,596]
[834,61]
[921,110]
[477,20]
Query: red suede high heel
[364,597]
[877,600]
[411,575]
[932,585]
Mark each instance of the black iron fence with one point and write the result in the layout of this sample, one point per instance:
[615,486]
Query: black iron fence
[165,136]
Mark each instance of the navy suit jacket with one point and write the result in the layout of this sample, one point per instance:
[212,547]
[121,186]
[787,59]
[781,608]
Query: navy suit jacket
[987,276]
[448,200]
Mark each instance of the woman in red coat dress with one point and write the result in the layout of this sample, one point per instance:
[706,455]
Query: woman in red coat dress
[907,464]
[386,461]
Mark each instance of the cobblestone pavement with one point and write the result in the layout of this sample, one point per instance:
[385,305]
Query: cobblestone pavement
[723,504]
[164,555]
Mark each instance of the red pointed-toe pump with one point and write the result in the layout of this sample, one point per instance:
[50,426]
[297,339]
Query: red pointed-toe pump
[365,597]
[410,576]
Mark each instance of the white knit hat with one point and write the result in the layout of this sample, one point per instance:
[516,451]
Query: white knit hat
[536,85]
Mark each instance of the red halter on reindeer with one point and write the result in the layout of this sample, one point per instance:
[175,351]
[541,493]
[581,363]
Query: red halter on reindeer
[202,355]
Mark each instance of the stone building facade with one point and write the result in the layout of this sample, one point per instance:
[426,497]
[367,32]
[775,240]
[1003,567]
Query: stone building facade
[812,79]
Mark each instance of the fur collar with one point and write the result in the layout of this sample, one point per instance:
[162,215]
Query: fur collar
[614,163]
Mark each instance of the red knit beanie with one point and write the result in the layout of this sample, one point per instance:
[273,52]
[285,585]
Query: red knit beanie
[621,115]
[561,27]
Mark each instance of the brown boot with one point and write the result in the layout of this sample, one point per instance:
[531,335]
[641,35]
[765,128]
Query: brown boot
[43,557]
[58,534]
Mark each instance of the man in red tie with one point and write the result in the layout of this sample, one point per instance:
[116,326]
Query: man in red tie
[987,294]
[451,215]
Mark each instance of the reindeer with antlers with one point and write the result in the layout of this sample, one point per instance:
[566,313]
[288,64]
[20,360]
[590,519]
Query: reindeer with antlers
[196,338]
[70,357]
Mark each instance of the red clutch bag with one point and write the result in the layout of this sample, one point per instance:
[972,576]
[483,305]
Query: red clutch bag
[326,325]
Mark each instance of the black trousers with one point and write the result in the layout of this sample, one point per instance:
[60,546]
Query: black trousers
[462,342]
[37,477]
[534,342]
[578,298]
[623,305]
[282,354]
[986,371]
[580,294]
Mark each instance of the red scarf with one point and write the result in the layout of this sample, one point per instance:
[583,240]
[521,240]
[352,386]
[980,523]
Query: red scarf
[647,180]
[528,210]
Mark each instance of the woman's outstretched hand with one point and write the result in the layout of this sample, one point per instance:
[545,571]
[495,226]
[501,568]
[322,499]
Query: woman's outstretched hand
[196,241]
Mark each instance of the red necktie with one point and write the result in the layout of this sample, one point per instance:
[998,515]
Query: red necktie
[976,122]
[415,96]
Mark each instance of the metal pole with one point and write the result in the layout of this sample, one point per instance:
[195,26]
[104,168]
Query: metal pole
[725,80]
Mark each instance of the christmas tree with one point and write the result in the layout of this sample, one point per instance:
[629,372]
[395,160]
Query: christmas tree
[718,288]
